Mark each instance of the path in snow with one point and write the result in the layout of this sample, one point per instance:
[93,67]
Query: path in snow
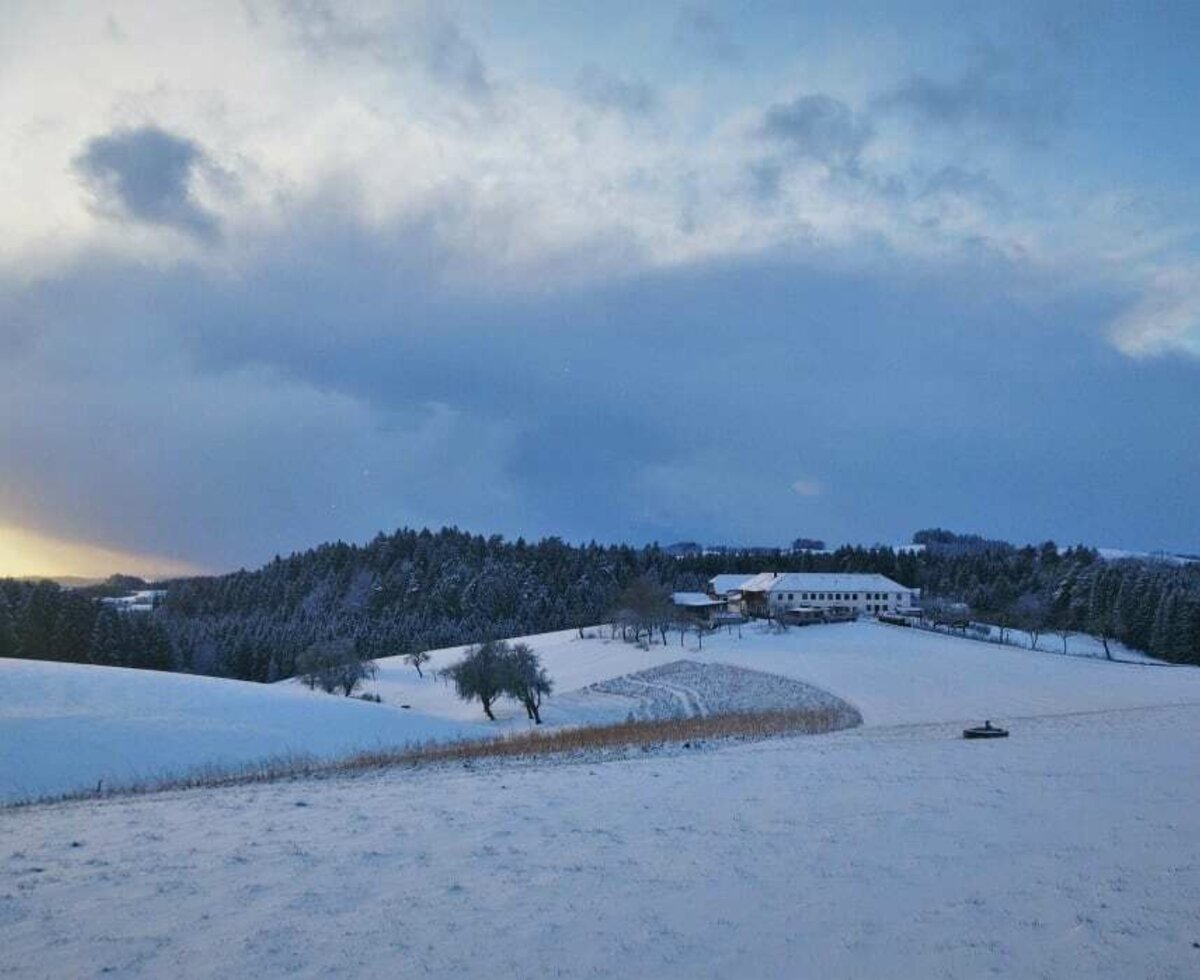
[685,688]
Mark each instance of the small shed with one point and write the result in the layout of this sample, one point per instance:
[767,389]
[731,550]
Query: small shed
[700,606]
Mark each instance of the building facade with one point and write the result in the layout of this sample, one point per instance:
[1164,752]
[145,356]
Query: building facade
[863,594]
[771,593]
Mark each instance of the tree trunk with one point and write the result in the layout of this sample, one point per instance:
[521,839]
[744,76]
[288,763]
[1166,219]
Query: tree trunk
[487,708]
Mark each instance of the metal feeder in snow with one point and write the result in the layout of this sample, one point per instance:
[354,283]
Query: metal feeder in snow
[986,730]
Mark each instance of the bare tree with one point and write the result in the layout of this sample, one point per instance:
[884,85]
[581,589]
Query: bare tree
[416,658]
[480,675]
[1103,624]
[334,665]
[644,606]
[1064,633]
[1004,619]
[1032,613]
[526,680]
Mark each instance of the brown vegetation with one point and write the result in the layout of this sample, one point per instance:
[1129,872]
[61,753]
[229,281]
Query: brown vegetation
[559,742]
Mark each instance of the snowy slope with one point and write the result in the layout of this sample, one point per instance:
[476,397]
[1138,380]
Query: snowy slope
[1070,850]
[65,726]
[891,674]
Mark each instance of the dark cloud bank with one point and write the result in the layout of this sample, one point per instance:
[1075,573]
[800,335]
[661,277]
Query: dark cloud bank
[336,390]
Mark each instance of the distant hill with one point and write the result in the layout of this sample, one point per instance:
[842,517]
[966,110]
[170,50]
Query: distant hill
[430,589]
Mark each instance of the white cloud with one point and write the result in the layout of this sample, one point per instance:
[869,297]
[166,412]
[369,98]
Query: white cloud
[394,115]
[808,487]
[1167,316]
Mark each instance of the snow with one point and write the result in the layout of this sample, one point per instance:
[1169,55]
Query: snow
[65,727]
[695,599]
[837,582]
[1078,644]
[684,688]
[892,674]
[1070,850]
[1164,557]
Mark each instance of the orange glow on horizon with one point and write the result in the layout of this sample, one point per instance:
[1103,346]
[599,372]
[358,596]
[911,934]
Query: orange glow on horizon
[25,553]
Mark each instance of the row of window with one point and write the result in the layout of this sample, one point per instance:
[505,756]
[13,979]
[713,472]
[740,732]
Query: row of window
[838,596]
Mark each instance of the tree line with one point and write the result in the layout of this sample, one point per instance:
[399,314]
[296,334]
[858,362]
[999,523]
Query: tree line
[412,591]
[43,621]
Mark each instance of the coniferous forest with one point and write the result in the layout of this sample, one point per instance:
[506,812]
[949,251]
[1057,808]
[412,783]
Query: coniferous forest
[415,590]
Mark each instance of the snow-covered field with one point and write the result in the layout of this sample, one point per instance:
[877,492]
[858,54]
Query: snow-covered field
[65,727]
[891,674]
[1070,849]
[684,688]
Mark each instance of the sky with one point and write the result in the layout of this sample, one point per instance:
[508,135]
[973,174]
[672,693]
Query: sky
[274,274]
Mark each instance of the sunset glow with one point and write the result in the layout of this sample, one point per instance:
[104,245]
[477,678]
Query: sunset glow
[28,554]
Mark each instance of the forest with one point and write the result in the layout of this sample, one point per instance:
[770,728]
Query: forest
[415,590]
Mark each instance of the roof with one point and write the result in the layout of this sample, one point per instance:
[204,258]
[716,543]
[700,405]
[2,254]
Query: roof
[724,584]
[826,582]
[695,600]
[762,582]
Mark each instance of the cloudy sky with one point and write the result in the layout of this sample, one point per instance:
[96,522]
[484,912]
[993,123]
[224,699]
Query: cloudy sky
[278,273]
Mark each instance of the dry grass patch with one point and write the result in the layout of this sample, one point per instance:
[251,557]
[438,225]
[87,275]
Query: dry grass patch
[564,741]
[529,745]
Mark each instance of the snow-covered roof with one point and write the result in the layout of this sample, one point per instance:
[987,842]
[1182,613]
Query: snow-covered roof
[762,582]
[694,600]
[724,584]
[827,582]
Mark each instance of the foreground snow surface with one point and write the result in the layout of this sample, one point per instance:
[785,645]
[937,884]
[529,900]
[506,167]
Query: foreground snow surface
[1071,849]
[65,726]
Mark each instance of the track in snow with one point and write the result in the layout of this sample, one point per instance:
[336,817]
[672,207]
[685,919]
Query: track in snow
[685,688]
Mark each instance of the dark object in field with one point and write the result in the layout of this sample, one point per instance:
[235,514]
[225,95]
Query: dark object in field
[986,730]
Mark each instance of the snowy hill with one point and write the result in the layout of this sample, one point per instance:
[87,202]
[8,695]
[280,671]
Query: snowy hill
[66,726]
[1070,850]
[892,675]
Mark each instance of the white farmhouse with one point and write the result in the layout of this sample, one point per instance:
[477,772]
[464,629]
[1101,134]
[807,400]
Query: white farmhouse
[870,594]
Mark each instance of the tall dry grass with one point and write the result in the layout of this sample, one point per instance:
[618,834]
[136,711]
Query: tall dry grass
[528,744]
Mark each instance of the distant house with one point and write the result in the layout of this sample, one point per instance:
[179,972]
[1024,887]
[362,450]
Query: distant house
[756,593]
[701,607]
[727,586]
[142,601]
